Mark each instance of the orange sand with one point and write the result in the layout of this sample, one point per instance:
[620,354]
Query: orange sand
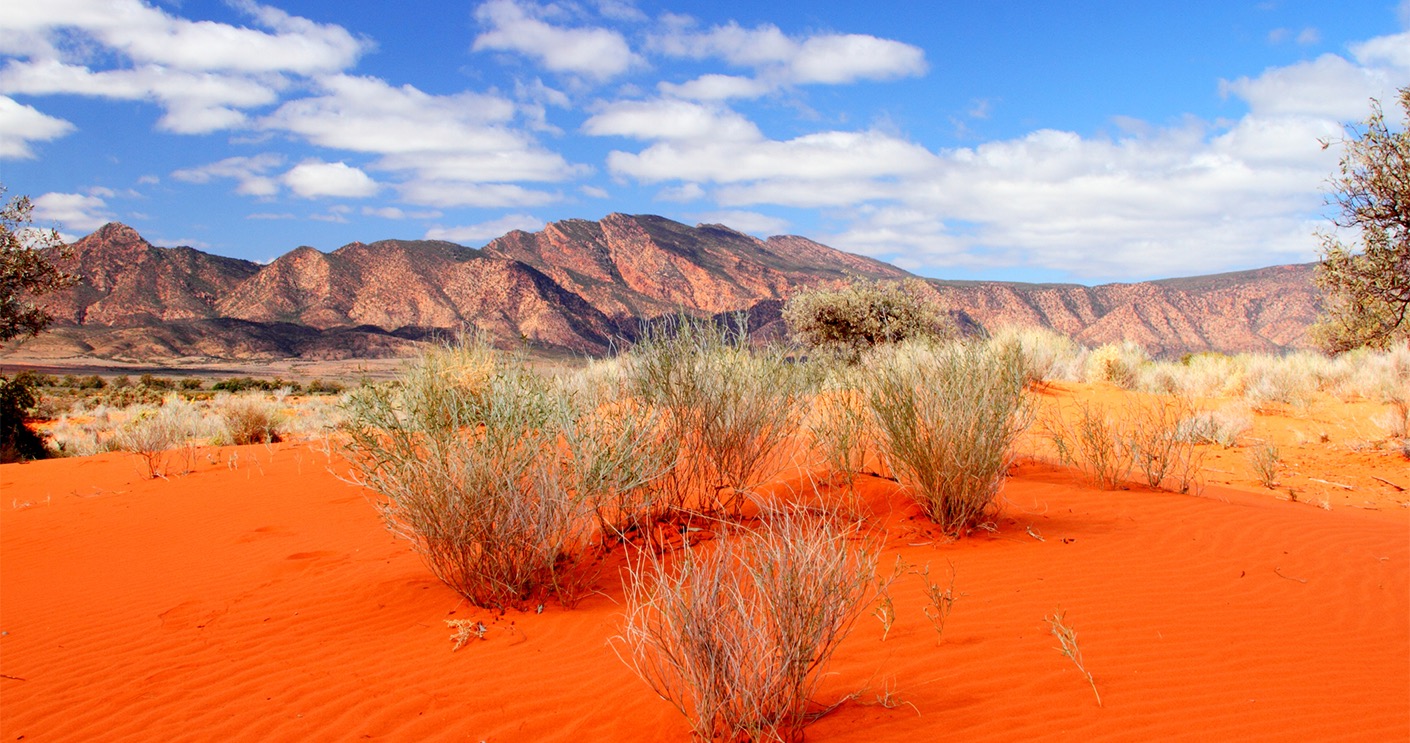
[260,598]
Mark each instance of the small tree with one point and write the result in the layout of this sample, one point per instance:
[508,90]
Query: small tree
[25,273]
[862,315]
[1366,294]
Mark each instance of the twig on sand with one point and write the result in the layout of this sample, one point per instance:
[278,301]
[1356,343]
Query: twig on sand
[1388,482]
[1289,577]
[1329,482]
[1067,638]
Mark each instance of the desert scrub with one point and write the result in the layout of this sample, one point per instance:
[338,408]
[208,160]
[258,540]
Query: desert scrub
[1267,464]
[731,408]
[162,436]
[947,417]
[850,320]
[839,426]
[1118,364]
[1047,354]
[1146,436]
[1223,426]
[468,452]
[249,419]
[737,633]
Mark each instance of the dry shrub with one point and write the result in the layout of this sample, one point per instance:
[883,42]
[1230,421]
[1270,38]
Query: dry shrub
[737,634]
[1047,354]
[1223,426]
[490,472]
[1267,464]
[1119,364]
[1144,436]
[730,408]
[155,434]
[947,418]
[249,420]
[839,428]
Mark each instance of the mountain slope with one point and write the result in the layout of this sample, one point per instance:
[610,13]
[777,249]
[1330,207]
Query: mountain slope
[577,285]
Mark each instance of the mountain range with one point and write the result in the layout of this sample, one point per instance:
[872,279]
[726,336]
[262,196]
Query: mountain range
[579,286]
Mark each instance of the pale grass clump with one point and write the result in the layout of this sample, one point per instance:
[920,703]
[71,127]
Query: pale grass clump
[730,408]
[738,633]
[1047,354]
[1378,375]
[1223,426]
[947,418]
[839,426]
[492,473]
[156,433]
[1291,380]
[1116,363]
[249,419]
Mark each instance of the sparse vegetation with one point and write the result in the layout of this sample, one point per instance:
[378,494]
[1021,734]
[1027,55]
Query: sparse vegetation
[1267,463]
[947,418]
[737,633]
[729,408]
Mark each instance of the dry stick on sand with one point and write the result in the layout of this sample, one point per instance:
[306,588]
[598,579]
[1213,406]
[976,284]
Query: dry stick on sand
[1067,637]
[1388,482]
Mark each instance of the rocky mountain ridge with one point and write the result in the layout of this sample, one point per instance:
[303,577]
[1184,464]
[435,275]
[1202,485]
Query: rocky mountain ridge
[577,286]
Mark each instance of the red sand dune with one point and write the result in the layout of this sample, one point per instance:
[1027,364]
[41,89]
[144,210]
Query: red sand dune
[260,598]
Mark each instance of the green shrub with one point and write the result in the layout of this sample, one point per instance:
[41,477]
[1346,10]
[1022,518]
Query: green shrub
[18,398]
[857,317]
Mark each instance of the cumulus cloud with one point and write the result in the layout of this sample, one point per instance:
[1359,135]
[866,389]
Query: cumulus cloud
[72,211]
[21,125]
[826,58]
[486,231]
[1188,197]
[594,52]
[313,179]
[251,174]
[205,75]
[436,144]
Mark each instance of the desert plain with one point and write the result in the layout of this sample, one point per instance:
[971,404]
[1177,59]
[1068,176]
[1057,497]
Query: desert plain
[258,596]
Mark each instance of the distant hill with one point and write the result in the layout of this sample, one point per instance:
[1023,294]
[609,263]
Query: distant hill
[576,286]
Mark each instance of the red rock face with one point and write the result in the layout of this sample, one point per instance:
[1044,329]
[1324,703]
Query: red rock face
[578,284]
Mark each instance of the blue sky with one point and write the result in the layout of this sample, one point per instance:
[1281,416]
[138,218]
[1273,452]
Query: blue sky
[1078,141]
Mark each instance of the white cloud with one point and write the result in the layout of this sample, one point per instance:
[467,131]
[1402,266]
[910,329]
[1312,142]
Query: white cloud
[205,75]
[448,194]
[683,193]
[392,212]
[598,53]
[72,211]
[715,87]
[486,231]
[671,120]
[250,173]
[195,102]
[753,223]
[150,35]
[21,125]
[1190,197]
[778,59]
[594,192]
[824,156]
[437,144]
[313,179]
